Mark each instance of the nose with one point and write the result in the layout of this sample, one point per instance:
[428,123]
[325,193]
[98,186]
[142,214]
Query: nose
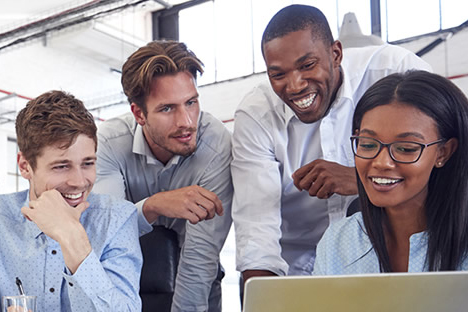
[183,118]
[383,160]
[77,178]
[295,82]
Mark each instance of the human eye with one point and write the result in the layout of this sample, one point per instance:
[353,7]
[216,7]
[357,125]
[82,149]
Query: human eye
[308,65]
[165,109]
[367,145]
[89,163]
[406,148]
[60,167]
[192,102]
[276,75]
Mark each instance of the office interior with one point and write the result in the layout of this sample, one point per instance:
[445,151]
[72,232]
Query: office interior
[79,46]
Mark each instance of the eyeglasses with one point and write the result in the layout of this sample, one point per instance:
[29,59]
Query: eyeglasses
[405,152]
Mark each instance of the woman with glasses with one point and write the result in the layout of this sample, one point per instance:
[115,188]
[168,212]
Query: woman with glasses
[411,147]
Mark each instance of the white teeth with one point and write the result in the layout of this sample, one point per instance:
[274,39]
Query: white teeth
[385,181]
[72,196]
[305,102]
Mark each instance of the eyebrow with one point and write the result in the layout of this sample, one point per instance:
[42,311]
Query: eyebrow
[160,105]
[303,58]
[297,62]
[401,135]
[68,161]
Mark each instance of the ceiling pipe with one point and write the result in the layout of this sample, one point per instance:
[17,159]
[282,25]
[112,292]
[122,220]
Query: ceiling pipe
[165,4]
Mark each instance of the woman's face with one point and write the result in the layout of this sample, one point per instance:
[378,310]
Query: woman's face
[388,183]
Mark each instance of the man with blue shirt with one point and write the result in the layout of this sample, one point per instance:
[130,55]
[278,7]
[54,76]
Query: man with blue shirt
[74,250]
[172,160]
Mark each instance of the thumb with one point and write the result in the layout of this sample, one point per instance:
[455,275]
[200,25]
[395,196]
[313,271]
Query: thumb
[25,211]
[82,207]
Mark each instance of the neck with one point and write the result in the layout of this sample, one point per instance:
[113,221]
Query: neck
[399,225]
[336,87]
[158,152]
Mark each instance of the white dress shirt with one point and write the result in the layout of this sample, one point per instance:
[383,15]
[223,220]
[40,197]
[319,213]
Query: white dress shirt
[127,168]
[277,226]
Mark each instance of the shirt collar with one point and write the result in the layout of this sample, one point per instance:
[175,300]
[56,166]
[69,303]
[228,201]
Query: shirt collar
[141,147]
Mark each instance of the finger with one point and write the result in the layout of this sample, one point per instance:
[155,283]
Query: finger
[199,211]
[214,199]
[307,181]
[305,176]
[299,174]
[324,193]
[81,207]
[315,187]
[209,206]
[26,211]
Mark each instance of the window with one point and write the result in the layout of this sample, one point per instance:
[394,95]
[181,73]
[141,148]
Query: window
[226,34]
[14,181]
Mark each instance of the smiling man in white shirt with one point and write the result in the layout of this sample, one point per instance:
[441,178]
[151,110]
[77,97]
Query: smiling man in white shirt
[291,140]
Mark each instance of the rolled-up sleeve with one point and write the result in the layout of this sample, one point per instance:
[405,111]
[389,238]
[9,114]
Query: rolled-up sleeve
[257,197]
[199,261]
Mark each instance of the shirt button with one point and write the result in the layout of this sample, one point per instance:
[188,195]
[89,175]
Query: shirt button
[54,252]
[51,289]
[70,283]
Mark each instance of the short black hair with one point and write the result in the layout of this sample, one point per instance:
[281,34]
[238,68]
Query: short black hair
[298,17]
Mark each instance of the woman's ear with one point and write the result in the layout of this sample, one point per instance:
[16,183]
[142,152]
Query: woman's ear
[445,152]
[24,166]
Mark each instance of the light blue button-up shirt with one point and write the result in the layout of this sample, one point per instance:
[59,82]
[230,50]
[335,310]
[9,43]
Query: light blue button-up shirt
[127,168]
[108,278]
[345,248]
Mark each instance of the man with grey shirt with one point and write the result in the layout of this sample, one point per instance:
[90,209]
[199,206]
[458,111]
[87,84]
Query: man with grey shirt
[172,160]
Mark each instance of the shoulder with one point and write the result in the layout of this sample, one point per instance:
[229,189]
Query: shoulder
[213,135]
[261,100]
[344,248]
[346,238]
[349,228]
[11,203]
[105,208]
[383,57]
[117,127]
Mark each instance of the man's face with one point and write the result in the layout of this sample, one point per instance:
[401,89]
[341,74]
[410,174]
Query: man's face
[170,125]
[304,72]
[70,171]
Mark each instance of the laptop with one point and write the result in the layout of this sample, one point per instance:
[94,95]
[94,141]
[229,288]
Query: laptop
[395,292]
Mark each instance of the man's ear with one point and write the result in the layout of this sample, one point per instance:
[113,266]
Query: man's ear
[445,152]
[337,51]
[138,113]
[24,166]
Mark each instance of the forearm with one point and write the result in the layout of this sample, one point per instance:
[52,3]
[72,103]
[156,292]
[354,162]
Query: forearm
[75,247]
[199,263]
[92,288]
[253,273]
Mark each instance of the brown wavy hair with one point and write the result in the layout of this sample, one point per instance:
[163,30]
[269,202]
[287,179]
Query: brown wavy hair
[157,58]
[54,118]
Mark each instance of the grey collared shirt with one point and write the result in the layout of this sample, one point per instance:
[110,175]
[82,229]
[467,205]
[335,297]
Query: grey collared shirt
[126,168]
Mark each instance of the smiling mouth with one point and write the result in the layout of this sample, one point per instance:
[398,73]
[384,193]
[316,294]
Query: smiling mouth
[385,181]
[73,196]
[305,102]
